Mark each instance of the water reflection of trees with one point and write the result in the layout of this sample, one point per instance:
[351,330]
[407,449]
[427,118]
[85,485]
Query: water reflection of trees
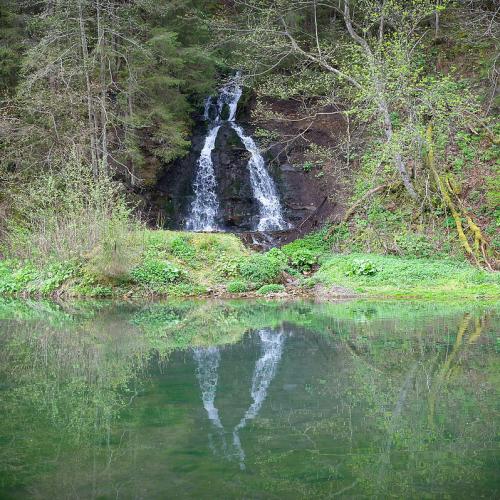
[413,403]
[425,402]
[65,380]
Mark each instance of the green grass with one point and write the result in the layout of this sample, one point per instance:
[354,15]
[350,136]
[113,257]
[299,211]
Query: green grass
[382,275]
[177,264]
[165,263]
[270,288]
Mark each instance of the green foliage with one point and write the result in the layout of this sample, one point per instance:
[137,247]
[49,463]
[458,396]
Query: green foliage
[388,275]
[237,287]
[150,60]
[316,242]
[16,277]
[181,248]
[270,288]
[87,285]
[156,272]
[303,259]
[361,267]
[265,136]
[11,46]
[68,214]
[262,268]
[493,192]
[307,166]
[414,245]
[52,277]
[186,290]
[304,253]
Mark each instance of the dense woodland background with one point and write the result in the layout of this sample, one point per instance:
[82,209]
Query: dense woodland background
[392,103]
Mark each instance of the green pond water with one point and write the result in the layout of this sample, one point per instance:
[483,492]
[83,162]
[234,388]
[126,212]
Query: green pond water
[249,400]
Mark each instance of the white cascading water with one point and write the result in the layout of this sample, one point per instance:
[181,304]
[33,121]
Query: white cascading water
[205,206]
[264,190]
[229,95]
[264,372]
[206,109]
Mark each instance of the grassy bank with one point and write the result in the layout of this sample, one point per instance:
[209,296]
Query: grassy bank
[176,264]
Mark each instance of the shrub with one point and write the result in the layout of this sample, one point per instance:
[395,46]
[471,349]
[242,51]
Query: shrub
[414,245]
[156,272]
[303,259]
[361,267]
[315,242]
[25,277]
[53,277]
[304,253]
[307,166]
[237,287]
[14,278]
[271,288]
[261,268]
[68,214]
[228,266]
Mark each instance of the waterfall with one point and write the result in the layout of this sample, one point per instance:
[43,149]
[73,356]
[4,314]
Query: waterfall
[229,94]
[206,108]
[264,190]
[264,372]
[205,206]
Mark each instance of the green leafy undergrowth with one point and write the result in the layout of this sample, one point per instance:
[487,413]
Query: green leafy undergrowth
[237,287]
[188,264]
[169,263]
[271,288]
[263,269]
[388,275]
[17,277]
[156,272]
[304,253]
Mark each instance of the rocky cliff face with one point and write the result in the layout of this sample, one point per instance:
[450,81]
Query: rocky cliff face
[307,199]
[174,192]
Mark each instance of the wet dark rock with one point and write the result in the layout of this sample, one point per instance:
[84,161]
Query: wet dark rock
[303,194]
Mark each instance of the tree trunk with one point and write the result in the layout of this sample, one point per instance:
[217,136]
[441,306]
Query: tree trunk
[128,127]
[90,107]
[381,103]
[102,78]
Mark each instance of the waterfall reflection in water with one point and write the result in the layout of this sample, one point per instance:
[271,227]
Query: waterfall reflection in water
[208,360]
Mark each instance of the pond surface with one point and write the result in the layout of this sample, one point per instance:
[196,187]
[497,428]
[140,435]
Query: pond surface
[249,400]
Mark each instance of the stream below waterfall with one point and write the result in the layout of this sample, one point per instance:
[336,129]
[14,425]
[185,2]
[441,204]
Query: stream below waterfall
[204,209]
